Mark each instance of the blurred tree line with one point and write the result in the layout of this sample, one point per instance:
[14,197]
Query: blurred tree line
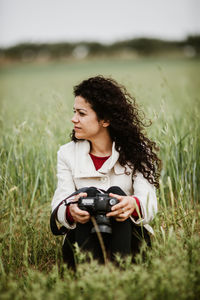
[189,47]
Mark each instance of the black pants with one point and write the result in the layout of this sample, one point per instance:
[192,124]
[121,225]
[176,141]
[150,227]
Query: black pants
[125,239]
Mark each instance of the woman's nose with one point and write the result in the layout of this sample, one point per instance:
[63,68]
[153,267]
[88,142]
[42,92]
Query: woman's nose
[74,119]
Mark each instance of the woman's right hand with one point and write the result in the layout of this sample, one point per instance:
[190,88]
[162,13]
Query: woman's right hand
[79,215]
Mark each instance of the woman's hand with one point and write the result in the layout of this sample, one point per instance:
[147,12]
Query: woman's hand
[80,216]
[124,209]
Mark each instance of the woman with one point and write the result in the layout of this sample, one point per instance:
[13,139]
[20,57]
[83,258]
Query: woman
[109,153]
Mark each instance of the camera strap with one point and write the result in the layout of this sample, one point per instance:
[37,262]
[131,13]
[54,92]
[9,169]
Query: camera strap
[53,225]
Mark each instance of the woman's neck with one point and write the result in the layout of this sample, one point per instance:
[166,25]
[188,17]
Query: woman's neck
[101,147]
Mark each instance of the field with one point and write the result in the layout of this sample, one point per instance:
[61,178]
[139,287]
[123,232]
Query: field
[35,111]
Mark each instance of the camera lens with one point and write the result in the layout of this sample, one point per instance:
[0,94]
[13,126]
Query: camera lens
[113,201]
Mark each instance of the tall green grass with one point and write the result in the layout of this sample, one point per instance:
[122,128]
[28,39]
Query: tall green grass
[36,104]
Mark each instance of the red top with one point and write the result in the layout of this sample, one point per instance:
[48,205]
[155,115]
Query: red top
[98,162]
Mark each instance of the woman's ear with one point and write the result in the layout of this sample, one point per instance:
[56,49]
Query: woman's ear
[105,123]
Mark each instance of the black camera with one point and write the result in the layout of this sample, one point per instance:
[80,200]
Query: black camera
[98,207]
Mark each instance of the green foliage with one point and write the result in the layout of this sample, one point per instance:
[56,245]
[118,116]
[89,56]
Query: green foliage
[36,107]
[137,46]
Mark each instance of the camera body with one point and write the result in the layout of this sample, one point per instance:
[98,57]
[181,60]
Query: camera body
[98,207]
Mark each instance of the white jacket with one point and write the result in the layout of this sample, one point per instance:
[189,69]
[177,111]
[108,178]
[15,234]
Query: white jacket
[75,170]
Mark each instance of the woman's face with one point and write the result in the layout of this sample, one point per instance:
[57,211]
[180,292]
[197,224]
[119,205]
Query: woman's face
[86,124]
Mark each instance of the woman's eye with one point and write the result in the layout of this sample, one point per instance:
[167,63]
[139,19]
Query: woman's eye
[79,112]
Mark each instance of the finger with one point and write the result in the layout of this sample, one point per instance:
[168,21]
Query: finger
[122,217]
[80,195]
[83,221]
[118,197]
[116,212]
[77,211]
[120,206]
[81,212]
[83,218]
[120,214]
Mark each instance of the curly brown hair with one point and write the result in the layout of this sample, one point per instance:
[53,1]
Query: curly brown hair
[113,103]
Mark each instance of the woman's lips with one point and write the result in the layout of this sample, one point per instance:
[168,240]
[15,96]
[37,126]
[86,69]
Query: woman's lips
[77,128]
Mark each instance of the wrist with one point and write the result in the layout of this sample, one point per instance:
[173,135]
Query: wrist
[137,207]
[69,217]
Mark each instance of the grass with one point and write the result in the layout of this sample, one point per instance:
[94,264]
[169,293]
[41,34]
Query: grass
[36,107]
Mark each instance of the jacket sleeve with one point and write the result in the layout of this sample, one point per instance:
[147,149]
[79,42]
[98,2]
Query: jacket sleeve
[65,187]
[146,193]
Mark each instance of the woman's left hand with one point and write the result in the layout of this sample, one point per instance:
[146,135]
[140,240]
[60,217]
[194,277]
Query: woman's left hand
[124,209]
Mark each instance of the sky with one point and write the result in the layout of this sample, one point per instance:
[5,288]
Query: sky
[104,21]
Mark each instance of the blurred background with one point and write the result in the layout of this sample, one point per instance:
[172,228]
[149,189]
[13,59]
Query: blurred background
[47,47]
[48,29]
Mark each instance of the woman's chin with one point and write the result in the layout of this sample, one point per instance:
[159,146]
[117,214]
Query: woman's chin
[79,136]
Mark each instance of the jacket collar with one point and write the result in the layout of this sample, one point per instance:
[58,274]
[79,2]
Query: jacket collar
[84,166]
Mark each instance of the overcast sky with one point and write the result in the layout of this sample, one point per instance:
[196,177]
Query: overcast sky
[104,20]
